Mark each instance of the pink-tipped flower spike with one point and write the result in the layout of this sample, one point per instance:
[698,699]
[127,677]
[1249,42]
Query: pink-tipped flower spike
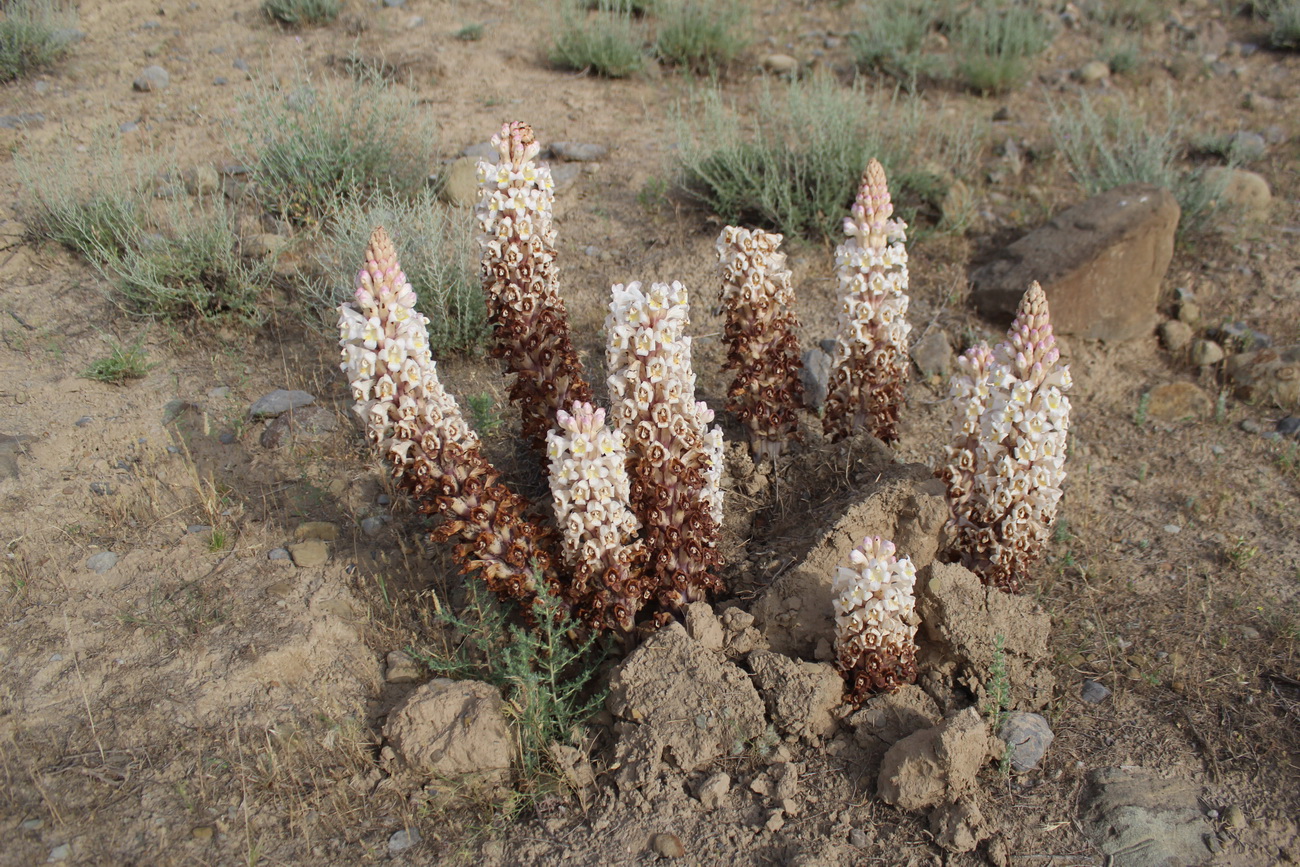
[870,367]
[760,324]
[592,496]
[418,428]
[1007,461]
[530,327]
[875,620]
[675,459]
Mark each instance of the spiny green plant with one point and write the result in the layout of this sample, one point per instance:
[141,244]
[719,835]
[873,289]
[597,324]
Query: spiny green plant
[436,246]
[997,703]
[548,677]
[34,34]
[607,42]
[298,12]
[125,361]
[698,36]
[994,47]
[487,418]
[314,142]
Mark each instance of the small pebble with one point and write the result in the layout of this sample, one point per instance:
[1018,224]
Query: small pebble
[129,126]
[403,840]
[859,838]
[197,528]
[151,78]
[1234,817]
[101,488]
[220,81]
[278,554]
[383,500]
[372,525]
[241,64]
[227,438]
[83,421]
[1093,692]
[1289,426]
[1173,529]
[1250,426]
[32,824]
[669,846]
[1217,450]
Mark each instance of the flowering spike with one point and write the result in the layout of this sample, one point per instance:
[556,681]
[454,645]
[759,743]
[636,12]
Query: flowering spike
[675,459]
[871,361]
[529,324]
[1006,463]
[875,619]
[764,352]
[591,493]
[418,428]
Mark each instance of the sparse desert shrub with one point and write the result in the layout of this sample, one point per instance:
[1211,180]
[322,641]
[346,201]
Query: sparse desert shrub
[298,12]
[124,361]
[607,42]
[1125,145]
[316,142]
[95,204]
[894,41]
[435,244]
[697,35]
[1284,19]
[994,47]
[34,34]
[470,33]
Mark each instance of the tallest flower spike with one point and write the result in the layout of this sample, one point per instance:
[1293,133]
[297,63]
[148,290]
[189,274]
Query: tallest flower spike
[529,324]
[870,364]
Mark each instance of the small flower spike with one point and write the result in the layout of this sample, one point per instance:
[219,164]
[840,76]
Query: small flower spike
[1006,463]
[871,360]
[417,427]
[529,323]
[592,495]
[759,302]
[675,459]
[875,620]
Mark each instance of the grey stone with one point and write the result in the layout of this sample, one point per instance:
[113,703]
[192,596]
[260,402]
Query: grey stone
[460,182]
[1175,335]
[1241,337]
[394,4]
[372,526]
[59,853]
[307,554]
[101,562]
[30,120]
[278,554]
[1101,264]
[193,529]
[565,174]
[279,401]
[129,126]
[84,420]
[401,668]
[404,839]
[859,839]
[220,81]
[578,152]
[1027,736]
[932,354]
[1139,819]
[1289,426]
[151,78]
[482,151]
[1093,692]
[1247,147]
[103,489]
[227,438]
[241,64]
[1206,352]
[10,447]
[780,64]
[816,376]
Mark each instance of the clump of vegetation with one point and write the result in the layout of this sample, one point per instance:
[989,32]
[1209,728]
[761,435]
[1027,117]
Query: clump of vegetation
[34,34]
[1130,14]
[607,42]
[436,246]
[316,142]
[298,12]
[548,679]
[698,36]
[124,362]
[1126,144]
[792,163]
[469,33]
[1284,18]
[895,43]
[994,47]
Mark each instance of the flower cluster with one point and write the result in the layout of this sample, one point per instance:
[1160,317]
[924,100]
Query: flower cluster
[591,494]
[675,460]
[419,429]
[871,361]
[1006,464]
[529,324]
[875,619]
[759,302]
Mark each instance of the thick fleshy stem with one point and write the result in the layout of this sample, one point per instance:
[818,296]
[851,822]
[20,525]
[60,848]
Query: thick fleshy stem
[875,619]
[592,495]
[870,367]
[530,327]
[767,392]
[675,458]
[1006,463]
[417,427]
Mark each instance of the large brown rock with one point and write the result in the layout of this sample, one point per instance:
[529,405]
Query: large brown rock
[1100,263]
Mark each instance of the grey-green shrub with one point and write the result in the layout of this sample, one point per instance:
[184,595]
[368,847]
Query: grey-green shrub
[436,247]
[607,42]
[298,12]
[317,141]
[34,34]
[1284,20]
[698,35]
[1128,143]
[994,47]
[895,42]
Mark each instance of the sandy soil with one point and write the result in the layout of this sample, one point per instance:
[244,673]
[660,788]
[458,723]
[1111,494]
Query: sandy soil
[200,703]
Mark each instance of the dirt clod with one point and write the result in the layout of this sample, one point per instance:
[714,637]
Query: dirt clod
[958,827]
[801,697]
[453,729]
[935,764]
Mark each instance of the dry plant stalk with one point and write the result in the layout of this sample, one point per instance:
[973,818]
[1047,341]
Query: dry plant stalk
[592,495]
[675,459]
[871,362]
[875,619]
[760,322]
[529,325]
[1006,463]
[417,427]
